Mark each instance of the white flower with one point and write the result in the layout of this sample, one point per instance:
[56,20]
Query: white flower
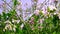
[13,20]
[59,16]
[7,22]
[8,26]
[14,29]
[4,30]
[55,13]
[7,16]
[51,7]
[14,26]
[22,25]
[17,21]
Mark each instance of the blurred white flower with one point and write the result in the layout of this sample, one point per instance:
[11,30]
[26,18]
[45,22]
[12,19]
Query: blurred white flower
[51,7]
[14,29]
[7,16]
[55,13]
[22,25]
[4,30]
[8,26]
[36,12]
[15,21]
[7,22]
[14,26]
[59,15]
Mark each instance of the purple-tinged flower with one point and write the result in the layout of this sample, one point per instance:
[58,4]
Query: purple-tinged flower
[44,11]
[36,12]
[31,22]
[32,19]
[41,20]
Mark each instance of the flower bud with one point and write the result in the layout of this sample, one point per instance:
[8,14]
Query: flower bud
[22,25]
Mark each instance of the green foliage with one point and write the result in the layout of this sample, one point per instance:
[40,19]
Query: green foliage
[15,2]
[0,17]
[50,25]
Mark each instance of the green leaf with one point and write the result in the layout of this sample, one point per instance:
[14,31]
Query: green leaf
[19,31]
[4,16]
[0,17]
[54,32]
[15,2]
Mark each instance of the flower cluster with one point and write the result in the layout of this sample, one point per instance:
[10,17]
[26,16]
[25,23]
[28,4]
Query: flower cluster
[9,26]
[51,7]
[44,20]
[36,12]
